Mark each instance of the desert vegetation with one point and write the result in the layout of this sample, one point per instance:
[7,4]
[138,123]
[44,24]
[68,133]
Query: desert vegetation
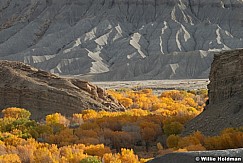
[150,127]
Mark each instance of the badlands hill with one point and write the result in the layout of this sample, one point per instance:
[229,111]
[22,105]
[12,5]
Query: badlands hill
[120,39]
[44,93]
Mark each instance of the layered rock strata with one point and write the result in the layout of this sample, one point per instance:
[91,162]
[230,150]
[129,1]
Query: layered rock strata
[225,108]
[226,76]
[44,93]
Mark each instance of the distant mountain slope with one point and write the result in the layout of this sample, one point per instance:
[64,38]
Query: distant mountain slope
[43,93]
[120,39]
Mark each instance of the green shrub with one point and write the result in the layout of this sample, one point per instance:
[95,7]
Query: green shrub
[90,160]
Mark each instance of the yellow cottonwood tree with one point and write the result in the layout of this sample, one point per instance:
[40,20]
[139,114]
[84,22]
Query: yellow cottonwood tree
[10,158]
[57,118]
[16,113]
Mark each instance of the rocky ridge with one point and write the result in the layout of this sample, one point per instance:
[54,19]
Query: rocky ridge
[44,93]
[120,39]
[225,108]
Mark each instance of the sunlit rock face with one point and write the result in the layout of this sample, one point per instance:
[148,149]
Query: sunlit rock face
[120,39]
[225,108]
[44,93]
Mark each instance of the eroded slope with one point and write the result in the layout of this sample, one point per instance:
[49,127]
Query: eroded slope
[120,39]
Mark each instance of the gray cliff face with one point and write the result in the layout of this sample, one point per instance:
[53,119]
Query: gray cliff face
[120,39]
[225,107]
[226,76]
[44,93]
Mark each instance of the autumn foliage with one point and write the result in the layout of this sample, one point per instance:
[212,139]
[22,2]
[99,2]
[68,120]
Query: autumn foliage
[229,138]
[150,126]
[16,113]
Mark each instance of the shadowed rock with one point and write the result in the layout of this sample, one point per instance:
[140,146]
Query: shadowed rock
[191,157]
[225,108]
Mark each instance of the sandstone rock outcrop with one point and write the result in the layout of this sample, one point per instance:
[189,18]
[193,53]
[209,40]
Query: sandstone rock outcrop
[226,76]
[225,108]
[43,93]
[120,39]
